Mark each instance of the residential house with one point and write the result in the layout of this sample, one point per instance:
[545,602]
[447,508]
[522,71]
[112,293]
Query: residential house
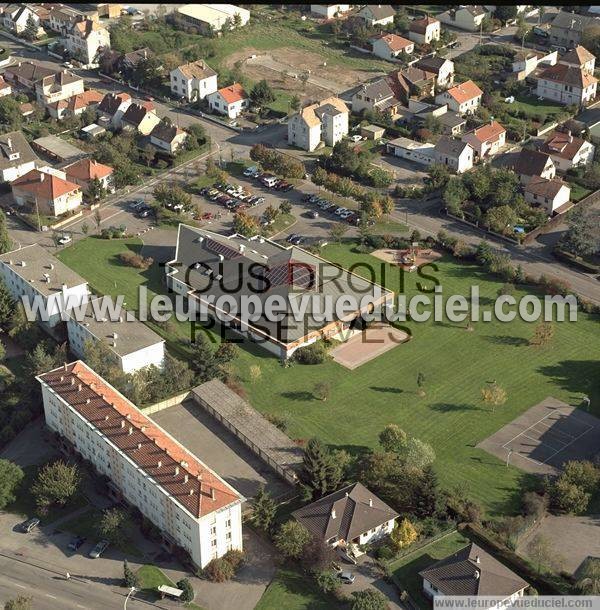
[16,18]
[526,62]
[16,156]
[129,61]
[372,132]
[167,137]
[325,121]
[109,10]
[442,68]
[27,73]
[580,58]
[191,506]
[486,140]
[568,151]
[473,572]
[348,518]
[34,273]
[464,98]
[86,41]
[133,344]
[209,18]
[377,95]
[75,105]
[201,255]
[463,17]
[405,148]
[328,11]
[532,163]
[554,194]
[113,106]
[589,121]
[139,118]
[377,14]
[26,109]
[58,86]
[391,46]
[46,193]
[452,124]
[230,101]
[567,85]
[85,171]
[456,155]
[567,28]
[193,81]
[425,30]
[62,18]
[412,83]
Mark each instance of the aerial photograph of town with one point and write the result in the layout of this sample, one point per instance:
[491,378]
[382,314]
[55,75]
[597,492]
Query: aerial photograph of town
[299,306]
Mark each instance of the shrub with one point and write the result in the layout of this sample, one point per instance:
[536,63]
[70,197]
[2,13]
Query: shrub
[219,570]
[316,353]
[131,259]
[188,591]
[235,558]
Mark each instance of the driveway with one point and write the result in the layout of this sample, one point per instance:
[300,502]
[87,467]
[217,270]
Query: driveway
[220,450]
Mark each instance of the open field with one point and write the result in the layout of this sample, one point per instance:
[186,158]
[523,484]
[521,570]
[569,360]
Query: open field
[532,105]
[406,569]
[456,364]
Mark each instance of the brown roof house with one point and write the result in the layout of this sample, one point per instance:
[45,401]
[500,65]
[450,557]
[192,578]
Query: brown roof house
[425,30]
[391,46]
[442,68]
[567,84]
[193,81]
[349,517]
[47,193]
[140,118]
[412,83]
[568,151]
[377,95]
[554,194]
[112,108]
[167,137]
[85,171]
[473,572]
[532,163]
[487,140]
[464,98]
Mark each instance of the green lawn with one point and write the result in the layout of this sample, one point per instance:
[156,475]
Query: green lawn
[282,222]
[406,570]
[294,591]
[578,192]
[388,227]
[531,105]
[152,577]
[456,363]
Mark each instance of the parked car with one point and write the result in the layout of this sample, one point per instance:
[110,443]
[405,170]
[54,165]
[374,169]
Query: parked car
[314,214]
[144,212]
[207,216]
[347,577]
[291,237]
[346,214]
[270,181]
[76,543]
[282,185]
[250,171]
[98,549]
[135,205]
[313,198]
[64,240]
[30,524]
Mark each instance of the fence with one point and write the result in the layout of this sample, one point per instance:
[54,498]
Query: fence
[166,403]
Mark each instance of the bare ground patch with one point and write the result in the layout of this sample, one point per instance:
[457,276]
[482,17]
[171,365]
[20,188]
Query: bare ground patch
[406,257]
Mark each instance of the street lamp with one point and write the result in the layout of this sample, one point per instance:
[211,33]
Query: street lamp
[132,590]
[510,451]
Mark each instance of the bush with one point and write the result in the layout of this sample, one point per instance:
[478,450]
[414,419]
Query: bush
[188,591]
[316,353]
[235,558]
[131,259]
[219,570]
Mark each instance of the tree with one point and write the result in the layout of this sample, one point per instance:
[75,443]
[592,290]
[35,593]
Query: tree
[6,244]
[295,103]
[393,439]
[418,454]
[327,581]
[494,395]
[98,219]
[11,476]
[322,470]
[263,511]
[21,602]
[582,238]
[505,13]
[590,38]
[317,555]
[542,334]
[369,599]
[130,578]
[10,113]
[421,382]
[219,570]
[303,78]
[501,219]
[188,591]
[455,195]
[540,551]
[322,390]
[261,93]
[291,539]
[589,577]
[245,224]
[403,534]
[96,191]
[112,524]
[7,305]
[31,28]
[337,231]
[285,207]
[56,483]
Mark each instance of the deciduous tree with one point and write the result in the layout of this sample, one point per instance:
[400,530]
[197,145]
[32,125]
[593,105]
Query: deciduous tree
[11,476]
[291,539]
[56,483]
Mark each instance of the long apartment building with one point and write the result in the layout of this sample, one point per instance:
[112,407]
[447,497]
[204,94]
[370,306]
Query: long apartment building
[192,506]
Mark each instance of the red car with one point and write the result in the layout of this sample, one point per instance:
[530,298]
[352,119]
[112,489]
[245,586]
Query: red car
[207,216]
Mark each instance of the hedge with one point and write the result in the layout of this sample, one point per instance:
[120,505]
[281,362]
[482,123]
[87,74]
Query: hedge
[576,261]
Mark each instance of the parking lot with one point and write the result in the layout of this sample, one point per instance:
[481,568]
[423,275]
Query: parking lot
[219,449]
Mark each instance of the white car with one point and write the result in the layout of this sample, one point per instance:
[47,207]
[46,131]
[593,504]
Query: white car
[340,211]
[250,171]
[356,138]
[64,240]
[346,213]
[98,549]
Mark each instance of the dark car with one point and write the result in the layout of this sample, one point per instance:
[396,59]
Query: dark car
[76,543]
[288,187]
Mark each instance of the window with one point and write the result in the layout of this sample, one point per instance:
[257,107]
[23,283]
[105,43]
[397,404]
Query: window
[213,543]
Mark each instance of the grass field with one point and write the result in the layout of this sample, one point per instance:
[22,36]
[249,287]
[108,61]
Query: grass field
[294,591]
[456,364]
[406,570]
[152,577]
[578,192]
[531,105]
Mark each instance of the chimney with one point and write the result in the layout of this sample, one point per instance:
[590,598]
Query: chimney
[176,470]
[9,143]
[185,478]
[106,418]
[122,423]
[159,464]
[333,513]
[87,401]
[212,493]
[143,428]
[65,365]
[191,492]
[477,559]
[42,176]
[128,416]
[62,378]
[370,502]
[139,445]
[242,247]
[79,388]
[476,575]
[130,430]
[569,136]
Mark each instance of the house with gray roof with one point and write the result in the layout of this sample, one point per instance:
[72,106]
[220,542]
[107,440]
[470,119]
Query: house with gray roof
[377,14]
[220,275]
[456,155]
[567,28]
[469,18]
[376,95]
[471,571]
[349,517]
[16,156]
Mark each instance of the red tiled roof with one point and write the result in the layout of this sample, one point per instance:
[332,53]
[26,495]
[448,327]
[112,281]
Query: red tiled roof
[233,93]
[176,470]
[87,169]
[491,131]
[544,187]
[568,75]
[420,25]
[395,42]
[561,144]
[43,185]
[464,92]
[85,99]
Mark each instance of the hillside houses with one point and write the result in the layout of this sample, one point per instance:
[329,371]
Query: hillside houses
[469,18]
[193,81]
[391,46]
[16,156]
[425,30]
[456,155]
[464,98]
[323,122]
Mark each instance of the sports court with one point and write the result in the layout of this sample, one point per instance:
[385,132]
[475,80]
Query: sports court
[368,344]
[547,435]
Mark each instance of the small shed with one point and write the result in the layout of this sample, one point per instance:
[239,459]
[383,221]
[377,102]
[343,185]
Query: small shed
[372,132]
[57,149]
[92,131]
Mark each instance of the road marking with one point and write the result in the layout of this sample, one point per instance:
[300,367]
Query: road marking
[50,596]
[20,586]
